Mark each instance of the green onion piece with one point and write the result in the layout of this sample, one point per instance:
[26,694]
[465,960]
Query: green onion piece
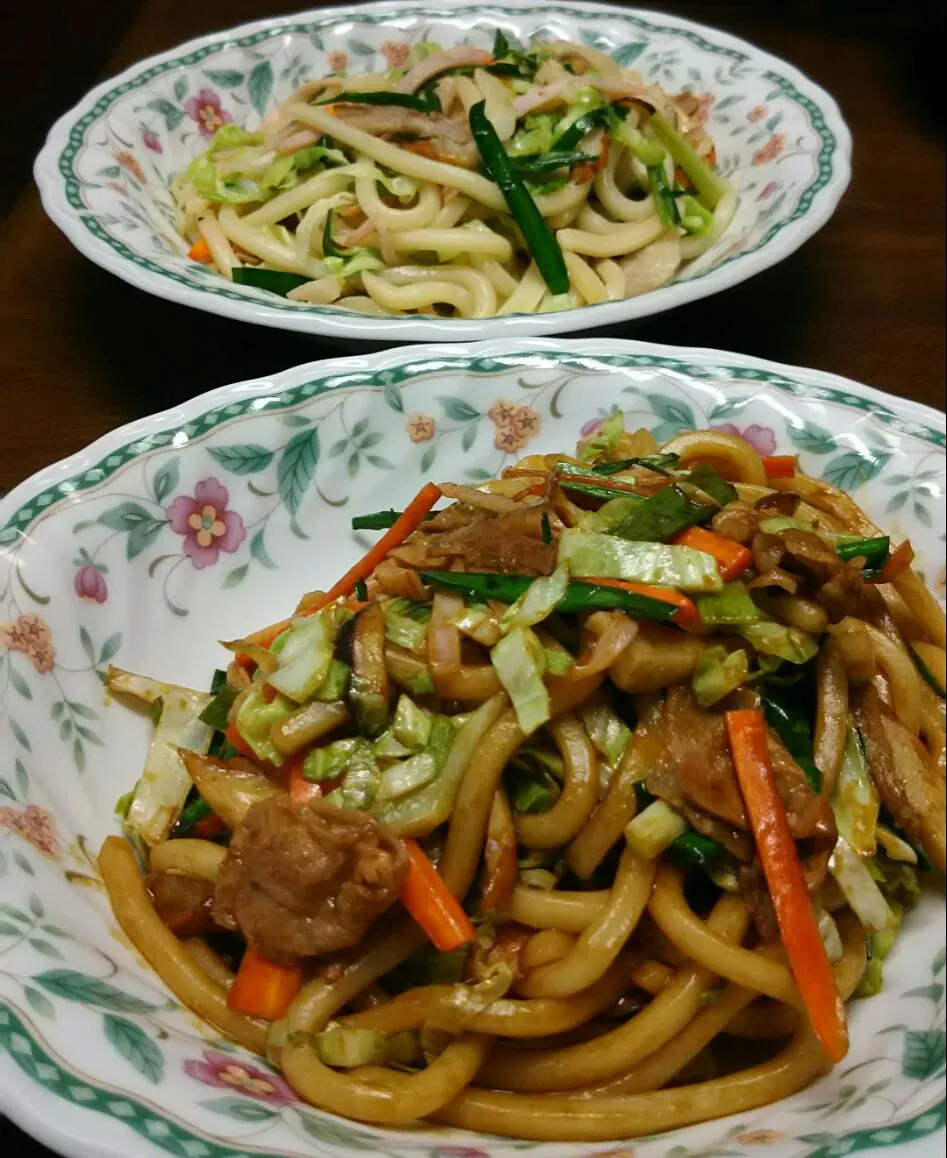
[661,463]
[501,46]
[427,94]
[277,281]
[537,166]
[705,478]
[664,203]
[926,674]
[579,596]
[584,488]
[545,528]
[790,720]
[218,681]
[191,814]
[329,247]
[695,850]
[405,100]
[654,830]
[218,709]
[155,711]
[361,591]
[701,176]
[874,551]
[580,128]
[536,233]
[377,521]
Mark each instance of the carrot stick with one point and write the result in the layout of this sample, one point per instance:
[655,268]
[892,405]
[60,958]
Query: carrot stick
[732,558]
[779,465]
[209,826]
[301,790]
[199,251]
[897,562]
[263,988]
[433,905]
[406,524]
[237,741]
[787,887]
[687,614]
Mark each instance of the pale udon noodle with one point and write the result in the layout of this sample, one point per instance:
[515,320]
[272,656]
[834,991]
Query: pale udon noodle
[626,974]
[621,176]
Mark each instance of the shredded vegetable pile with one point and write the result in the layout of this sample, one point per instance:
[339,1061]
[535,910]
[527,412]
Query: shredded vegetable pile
[468,183]
[576,781]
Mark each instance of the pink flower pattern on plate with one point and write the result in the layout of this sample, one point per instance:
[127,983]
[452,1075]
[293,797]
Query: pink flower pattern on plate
[152,141]
[226,1073]
[206,524]
[761,438]
[337,61]
[90,584]
[206,110]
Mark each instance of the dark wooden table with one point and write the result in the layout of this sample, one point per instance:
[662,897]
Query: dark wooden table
[82,352]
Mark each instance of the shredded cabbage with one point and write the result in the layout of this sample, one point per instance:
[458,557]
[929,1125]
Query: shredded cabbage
[162,789]
[609,735]
[594,556]
[535,137]
[538,601]
[780,640]
[232,137]
[306,656]
[606,439]
[855,799]
[235,188]
[411,725]
[719,672]
[519,662]
[255,719]
[864,897]
[733,605]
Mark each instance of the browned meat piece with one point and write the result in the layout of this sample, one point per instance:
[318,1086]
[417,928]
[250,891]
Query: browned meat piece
[737,843]
[182,902]
[305,880]
[450,138]
[738,521]
[510,542]
[699,758]
[910,787]
[778,503]
[810,815]
[756,894]
[841,594]
[698,761]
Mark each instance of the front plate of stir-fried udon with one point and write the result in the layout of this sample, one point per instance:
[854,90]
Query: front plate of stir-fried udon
[573,769]
[448,172]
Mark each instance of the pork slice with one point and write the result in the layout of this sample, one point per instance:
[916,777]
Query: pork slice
[303,880]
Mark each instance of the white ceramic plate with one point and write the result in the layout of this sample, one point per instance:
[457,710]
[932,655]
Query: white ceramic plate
[98,564]
[104,171]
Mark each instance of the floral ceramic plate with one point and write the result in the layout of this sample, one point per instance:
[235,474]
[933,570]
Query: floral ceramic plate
[101,560]
[106,166]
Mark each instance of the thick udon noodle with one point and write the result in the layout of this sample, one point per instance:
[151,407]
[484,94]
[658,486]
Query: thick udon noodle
[447,243]
[542,1064]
